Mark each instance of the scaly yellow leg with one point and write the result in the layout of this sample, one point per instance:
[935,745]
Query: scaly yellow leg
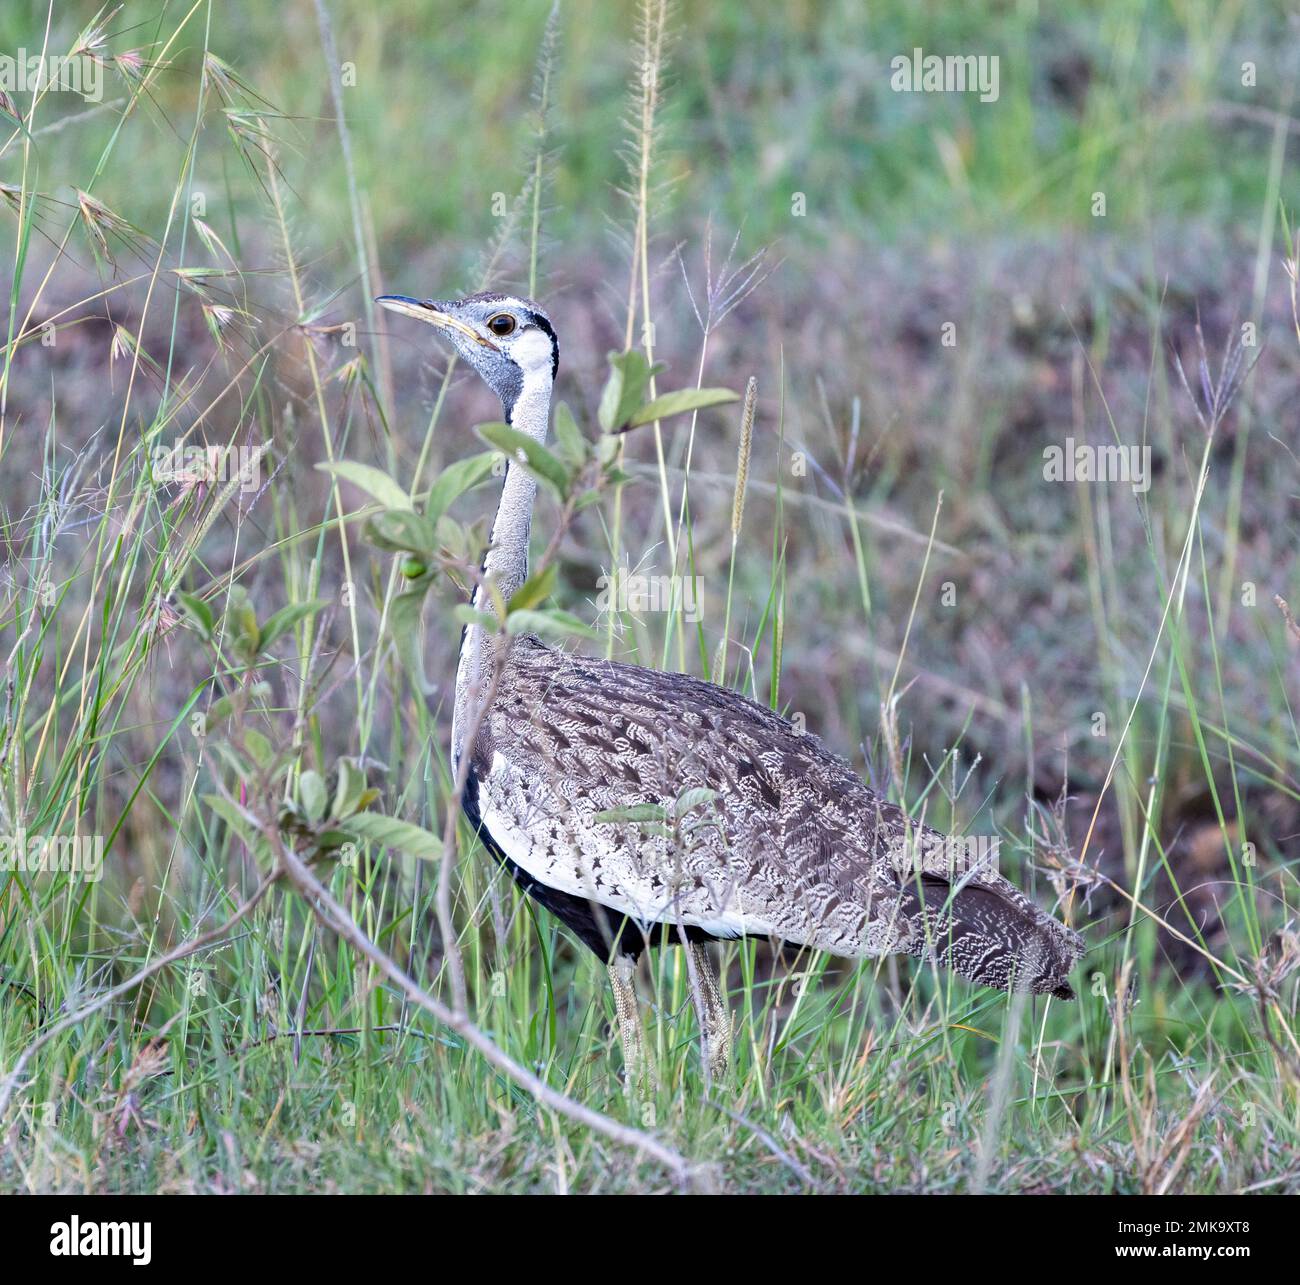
[711,1010]
[637,1062]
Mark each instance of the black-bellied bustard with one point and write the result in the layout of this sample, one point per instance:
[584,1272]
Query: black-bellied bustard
[800,849]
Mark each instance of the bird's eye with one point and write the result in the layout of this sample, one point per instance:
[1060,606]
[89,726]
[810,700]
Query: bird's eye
[502,324]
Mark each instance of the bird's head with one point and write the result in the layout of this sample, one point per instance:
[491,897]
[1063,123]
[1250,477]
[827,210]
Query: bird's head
[509,341]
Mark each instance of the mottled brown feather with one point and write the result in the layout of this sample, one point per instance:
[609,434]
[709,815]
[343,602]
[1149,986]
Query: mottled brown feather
[790,842]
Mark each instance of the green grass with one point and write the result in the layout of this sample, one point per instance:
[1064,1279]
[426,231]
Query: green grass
[135,691]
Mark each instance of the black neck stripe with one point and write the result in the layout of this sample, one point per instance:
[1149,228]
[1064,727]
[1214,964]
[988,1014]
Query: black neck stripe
[545,326]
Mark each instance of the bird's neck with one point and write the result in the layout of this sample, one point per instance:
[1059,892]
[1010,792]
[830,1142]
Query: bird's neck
[507,557]
[506,563]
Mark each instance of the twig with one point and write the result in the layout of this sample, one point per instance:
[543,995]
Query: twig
[335,917]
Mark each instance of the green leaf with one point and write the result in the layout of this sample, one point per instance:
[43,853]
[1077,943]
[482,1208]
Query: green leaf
[351,786]
[534,591]
[374,482]
[223,706]
[285,619]
[404,624]
[331,840]
[610,396]
[683,399]
[392,833]
[311,790]
[229,812]
[240,768]
[552,623]
[454,481]
[199,613]
[607,449]
[693,798]
[540,462]
[629,373]
[400,531]
[242,621]
[569,441]
[242,826]
[453,537]
[638,813]
[259,747]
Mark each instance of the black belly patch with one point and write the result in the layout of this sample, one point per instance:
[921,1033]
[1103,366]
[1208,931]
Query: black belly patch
[606,932]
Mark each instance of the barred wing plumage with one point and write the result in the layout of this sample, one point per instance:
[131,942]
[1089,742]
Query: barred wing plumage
[650,798]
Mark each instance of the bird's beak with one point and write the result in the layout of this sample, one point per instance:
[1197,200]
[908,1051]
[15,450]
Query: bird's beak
[428,310]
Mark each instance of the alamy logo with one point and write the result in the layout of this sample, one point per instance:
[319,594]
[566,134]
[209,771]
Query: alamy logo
[634,593]
[1082,462]
[947,855]
[35,73]
[192,465]
[75,1239]
[950,74]
[81,855]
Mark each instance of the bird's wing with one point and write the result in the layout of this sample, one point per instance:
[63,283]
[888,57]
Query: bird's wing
[667,798]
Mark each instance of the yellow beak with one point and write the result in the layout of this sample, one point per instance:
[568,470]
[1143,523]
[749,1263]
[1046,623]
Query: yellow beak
[427,310]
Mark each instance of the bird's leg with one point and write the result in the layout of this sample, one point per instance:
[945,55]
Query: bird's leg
[637,1063]
[711,1010]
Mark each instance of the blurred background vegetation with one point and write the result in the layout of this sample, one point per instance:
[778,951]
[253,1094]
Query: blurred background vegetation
[1144,100]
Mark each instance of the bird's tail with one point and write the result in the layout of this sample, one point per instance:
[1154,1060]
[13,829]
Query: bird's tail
[989,932]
